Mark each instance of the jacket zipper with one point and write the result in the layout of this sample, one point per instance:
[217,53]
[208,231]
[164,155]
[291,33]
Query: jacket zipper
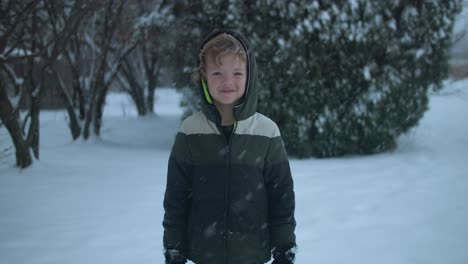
[227,202]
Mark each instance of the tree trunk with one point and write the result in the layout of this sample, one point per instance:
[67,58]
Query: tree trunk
[78,94]
[96,88]
[88,119]
[74,124]
[33,131]
[150,99]
[136,91]
[33,134]
[138,97]
[152,82]
[99,109]
[8,116]
[140,105]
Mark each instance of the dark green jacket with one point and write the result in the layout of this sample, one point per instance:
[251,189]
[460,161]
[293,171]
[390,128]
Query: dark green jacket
[229,201]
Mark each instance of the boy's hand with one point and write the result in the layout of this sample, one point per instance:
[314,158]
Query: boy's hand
[284,254]
[173,256]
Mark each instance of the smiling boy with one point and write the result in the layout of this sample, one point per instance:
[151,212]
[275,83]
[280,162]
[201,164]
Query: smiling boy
[229,195]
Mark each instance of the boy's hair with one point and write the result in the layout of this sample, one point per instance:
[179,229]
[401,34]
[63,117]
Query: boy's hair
[215,49]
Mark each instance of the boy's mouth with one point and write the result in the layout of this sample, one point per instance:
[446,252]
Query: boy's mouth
[227,91]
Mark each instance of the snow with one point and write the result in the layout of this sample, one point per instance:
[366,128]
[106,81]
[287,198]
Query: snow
[366,73]
[19,52]
[281,42]
[19,81]
[157,17]
[149,19]
[354,4]
[392,24]
[324,16]
[308,25]
[419,53]
[101,201]
[14,100]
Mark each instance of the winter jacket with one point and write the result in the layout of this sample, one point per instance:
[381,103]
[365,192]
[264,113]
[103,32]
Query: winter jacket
[229,201]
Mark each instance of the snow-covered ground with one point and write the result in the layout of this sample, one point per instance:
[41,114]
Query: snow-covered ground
[101,201]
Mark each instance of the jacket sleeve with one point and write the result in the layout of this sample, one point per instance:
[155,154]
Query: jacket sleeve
[281,199]
[177,198]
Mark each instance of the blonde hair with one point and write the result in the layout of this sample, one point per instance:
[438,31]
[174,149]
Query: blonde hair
[215,49]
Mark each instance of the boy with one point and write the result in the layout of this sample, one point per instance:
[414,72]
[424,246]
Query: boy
[229,196]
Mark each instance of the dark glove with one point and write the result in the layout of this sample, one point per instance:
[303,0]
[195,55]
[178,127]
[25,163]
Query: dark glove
[174,256]
[284,254]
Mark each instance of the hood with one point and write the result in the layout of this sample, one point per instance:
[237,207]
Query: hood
[247,106]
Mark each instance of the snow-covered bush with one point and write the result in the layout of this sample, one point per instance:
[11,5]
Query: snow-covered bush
[346,77]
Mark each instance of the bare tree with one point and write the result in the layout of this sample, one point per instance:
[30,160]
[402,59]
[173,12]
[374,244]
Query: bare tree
[14,21]
[139,75]
[95,55]
[26,41]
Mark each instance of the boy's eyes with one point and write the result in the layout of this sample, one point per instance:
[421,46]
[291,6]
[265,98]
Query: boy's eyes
[219,73]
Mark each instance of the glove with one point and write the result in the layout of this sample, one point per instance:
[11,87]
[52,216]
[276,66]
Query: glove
[174,256]
[284,254]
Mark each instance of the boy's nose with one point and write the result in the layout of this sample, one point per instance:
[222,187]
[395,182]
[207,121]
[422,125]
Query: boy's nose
[227,80]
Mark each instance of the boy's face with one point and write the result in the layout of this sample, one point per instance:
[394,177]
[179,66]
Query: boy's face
[226,82]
